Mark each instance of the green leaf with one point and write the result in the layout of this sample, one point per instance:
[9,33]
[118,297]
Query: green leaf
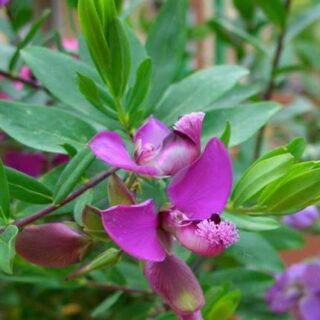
[58,73]
[7,248]
[274,10]
[29,36]
[4,194]
[198,91]
[299,188]
[166,46]
[302,21]
[104,260]
[43,128]
[120,58]
[224,306]
[138,53]
[99,98]
[84,200]
[295,148]
[166,316]
[134,311]
[245,120]
[231,28]
[226,134]
[245,7]
[26,188]
[254,224]
[93,30]
[72,174]
[105,305]
[284,238]
[259,176]
[251,283]
[238,94]
[140,89]
[252,250]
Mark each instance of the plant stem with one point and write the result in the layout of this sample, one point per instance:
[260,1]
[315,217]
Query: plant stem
[122,116]
[270,86]
[44,212]
[22,80]
[113,287]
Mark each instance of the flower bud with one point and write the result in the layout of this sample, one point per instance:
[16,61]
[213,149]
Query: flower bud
[191,316]
[52,245]
[174,281]
[118,192]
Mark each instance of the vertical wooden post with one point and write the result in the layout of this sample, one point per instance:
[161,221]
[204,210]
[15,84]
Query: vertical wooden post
[201,10]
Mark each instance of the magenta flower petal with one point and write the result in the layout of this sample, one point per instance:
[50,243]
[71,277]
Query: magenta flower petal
[203,188]
[134,228]
[309,307]
[191,126]
[151,132]
[32,164]
[174,281]
[176,153]
[53,245]
[208,237]
[109,147]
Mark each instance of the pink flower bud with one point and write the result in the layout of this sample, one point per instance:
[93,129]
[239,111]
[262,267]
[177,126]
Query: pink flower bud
[174,281]
[191,316]
[52,245]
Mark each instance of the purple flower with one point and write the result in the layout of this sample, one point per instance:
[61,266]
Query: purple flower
[298,287]
[198,194]
[302,219]
[3,2]
[158,150]
[174,281]
[29,163]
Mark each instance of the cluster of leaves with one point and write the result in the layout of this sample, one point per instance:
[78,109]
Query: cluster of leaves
[116,83]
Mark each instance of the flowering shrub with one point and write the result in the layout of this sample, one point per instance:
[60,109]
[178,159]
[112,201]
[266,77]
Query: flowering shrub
[136,186]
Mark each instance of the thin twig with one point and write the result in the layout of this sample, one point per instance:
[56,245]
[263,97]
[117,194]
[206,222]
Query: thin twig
[44,212]
[114,287]
[270,87]
[27,82]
